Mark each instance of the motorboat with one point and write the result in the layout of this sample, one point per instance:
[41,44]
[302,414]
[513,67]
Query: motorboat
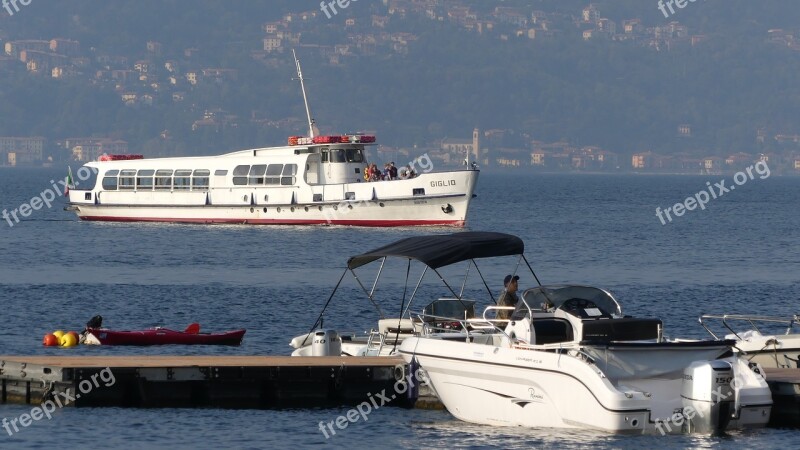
[446,312]
[160,336]
[760,339]
[568,357]
[312,180]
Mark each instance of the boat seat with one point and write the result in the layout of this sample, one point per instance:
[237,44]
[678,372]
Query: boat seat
[621,329]
[406,326]
[551,331]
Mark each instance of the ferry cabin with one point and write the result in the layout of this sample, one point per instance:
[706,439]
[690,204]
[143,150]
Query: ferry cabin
[296,184]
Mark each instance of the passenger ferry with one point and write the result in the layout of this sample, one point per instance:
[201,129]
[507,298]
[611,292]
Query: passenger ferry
[311,180]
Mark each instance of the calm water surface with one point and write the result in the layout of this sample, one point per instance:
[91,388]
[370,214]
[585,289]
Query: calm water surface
[738,256]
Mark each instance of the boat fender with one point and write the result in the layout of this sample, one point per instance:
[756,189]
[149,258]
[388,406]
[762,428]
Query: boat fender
[302,340]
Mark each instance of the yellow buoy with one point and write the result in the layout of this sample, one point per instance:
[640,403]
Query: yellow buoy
[69,340]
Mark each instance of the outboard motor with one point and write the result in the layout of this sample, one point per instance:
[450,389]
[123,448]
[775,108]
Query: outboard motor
[708,397]
[326,343]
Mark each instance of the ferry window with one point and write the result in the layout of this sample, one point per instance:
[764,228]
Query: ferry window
[200,183]
[144,180]
[420,191]
[183,179]
[163,180]
[240,175]
[220,172]
[127,179]
[324,155]
[274,174]
[126,182]
[87,177]
[337,156]
[349,195]
[289,171]
[110,183]
[202,173]
[257,174]
[163,183]
[112,173]
[354,155]
[182,183]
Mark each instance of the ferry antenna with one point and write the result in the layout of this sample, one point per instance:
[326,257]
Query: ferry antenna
[305,98]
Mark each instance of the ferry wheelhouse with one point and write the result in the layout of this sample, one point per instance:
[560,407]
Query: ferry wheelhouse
[311,180]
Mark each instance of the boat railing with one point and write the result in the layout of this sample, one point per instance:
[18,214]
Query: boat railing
[376,347]
[442,324]
[750,319]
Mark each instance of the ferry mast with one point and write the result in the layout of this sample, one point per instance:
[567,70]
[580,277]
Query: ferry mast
[305,99]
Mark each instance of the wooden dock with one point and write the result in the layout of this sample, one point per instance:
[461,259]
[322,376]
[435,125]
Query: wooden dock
[253,382]
[202,381]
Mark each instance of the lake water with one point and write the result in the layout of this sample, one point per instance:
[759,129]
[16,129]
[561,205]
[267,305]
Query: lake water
[739,255]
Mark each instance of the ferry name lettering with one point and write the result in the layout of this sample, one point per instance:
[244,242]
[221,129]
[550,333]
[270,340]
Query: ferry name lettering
[443,183]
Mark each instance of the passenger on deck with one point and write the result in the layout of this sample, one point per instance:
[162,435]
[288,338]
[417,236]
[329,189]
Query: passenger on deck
[374,173]
[387,174]
[508,297]
[407,173]
[392,171]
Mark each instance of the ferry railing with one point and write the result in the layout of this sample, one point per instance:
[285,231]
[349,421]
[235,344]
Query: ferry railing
[751,319]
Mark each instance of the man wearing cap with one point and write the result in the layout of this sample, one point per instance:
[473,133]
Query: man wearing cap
[508,297]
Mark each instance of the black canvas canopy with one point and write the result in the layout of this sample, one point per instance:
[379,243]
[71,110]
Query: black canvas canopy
[442,250]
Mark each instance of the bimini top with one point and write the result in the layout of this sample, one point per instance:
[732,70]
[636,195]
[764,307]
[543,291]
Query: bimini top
[442,250]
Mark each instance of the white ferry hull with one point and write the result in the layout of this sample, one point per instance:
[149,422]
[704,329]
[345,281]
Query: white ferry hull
[445,202]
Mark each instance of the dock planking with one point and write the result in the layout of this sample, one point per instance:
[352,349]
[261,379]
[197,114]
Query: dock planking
[201,381]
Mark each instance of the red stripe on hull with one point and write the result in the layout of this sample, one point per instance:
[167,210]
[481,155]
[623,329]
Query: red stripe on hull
[362,223]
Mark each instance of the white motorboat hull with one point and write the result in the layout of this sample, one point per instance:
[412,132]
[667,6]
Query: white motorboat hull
[772,351]
[504,386]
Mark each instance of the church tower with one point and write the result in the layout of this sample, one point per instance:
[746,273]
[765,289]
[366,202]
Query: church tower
[476,145]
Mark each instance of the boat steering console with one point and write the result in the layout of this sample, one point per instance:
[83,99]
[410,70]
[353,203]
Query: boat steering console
[583,308]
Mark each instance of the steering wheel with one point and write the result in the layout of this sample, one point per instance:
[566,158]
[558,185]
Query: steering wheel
[575,304]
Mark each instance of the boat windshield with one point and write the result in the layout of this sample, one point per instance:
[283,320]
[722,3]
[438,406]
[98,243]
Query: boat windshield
[558,295]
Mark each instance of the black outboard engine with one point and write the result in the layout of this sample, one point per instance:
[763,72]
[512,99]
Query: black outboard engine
[708,397]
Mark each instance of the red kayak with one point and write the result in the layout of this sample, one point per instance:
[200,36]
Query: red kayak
[161,336]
